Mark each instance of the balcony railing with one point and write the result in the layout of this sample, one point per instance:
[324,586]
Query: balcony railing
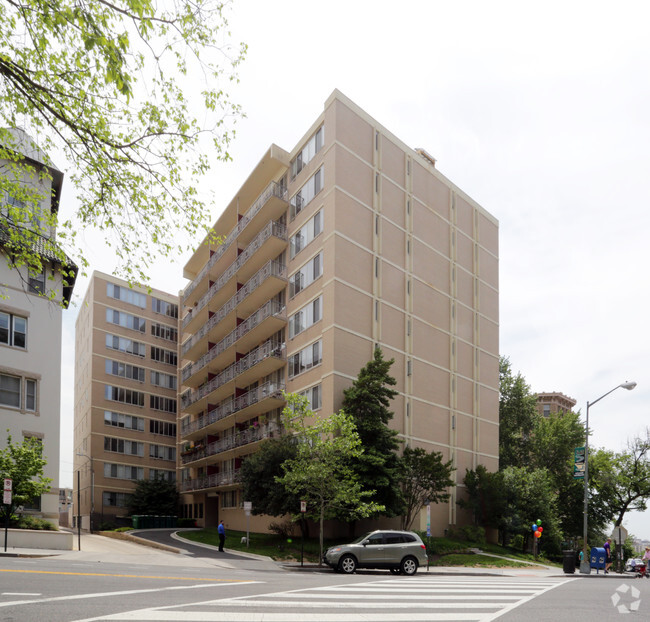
[233,405]
[267,349]
[272,190]
[272,268]
[239,439]
[271,308]
[272,229]
[210,481]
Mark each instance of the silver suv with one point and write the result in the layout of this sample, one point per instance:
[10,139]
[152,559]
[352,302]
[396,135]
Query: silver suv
[400,551]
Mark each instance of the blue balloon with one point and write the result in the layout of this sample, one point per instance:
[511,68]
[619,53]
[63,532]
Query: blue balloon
[534,527]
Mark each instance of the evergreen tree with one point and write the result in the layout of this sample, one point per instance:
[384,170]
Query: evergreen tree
[367,401]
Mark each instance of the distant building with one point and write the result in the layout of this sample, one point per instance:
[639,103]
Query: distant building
[349,241]
[548,403]
[126,342]
[30,324]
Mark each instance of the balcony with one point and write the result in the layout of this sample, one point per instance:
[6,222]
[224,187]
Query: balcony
[268,243]
[270,205]
[267,320]
[260,400]
[265,284]
[227,478]
[239,439]
[256,364]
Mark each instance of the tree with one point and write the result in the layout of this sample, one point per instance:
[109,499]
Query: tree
[320,473]
[259,474]
[132,94]
[23,463]
[621,480]
[367,401]
[423,477]
[517,415]
[157,497]
[484,496]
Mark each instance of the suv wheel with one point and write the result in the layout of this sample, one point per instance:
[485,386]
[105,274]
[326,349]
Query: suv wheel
[409,565]
[347,564]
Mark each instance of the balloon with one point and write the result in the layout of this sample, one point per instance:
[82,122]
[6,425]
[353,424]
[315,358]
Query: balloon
[534,527]
[539,522]
[540,529]
[538,534]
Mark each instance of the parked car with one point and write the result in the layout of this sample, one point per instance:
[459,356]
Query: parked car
[400,551]
[631,563]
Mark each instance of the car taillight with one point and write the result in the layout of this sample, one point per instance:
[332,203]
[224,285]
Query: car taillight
[423,547]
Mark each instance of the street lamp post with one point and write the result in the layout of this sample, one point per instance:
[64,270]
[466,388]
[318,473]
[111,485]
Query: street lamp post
[585,566]
[92,487]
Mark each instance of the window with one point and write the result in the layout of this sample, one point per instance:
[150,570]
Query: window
[126,294]
[18,392]
[306,234]
[164,356]
[165,308]
[168,476]
[307,153]
[126,320]
[124,370]
[228,499]
[116,499]
[306,317]
[125,396]
[305,195]
[165,428]
[305,359]
[129,346]
[170,333]
[306,275]
[13,330]
[165,404]
[37,282]
[128,422]
[162,452]
[123,446]
[314,396]
[123,471]
[160,379]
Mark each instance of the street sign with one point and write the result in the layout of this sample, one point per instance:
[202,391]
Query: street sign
[303,506]
[579,454]
[578,471]
[248,506]
[6,497]
[579,463]
[619,534]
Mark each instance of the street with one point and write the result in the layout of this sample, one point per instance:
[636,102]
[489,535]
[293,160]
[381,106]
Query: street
[125,581]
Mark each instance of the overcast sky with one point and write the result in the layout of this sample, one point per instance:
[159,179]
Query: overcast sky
[539,111]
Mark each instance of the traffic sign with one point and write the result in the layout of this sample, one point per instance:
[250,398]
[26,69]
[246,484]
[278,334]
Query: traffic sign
[7,484]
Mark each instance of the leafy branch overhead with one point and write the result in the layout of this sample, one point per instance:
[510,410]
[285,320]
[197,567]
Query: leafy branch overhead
[132,95]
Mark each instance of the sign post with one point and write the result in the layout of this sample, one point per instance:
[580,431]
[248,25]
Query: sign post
[303,509]
[6,499]
[248,506]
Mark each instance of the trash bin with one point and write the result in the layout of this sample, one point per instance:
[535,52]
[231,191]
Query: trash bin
[135,520]
[569,562]
[597,558]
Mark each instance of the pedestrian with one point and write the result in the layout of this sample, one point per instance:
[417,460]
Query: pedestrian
[608,554]
[221,530]
[646,556]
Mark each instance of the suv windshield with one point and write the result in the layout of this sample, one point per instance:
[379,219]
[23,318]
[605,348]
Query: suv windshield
[362,538]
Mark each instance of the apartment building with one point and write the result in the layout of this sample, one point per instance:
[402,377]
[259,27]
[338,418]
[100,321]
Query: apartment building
[30,323]
[351,240]
[554,402]
[125,406]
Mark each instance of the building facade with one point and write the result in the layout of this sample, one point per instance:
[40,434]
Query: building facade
[30,322]
[349,241]
[125,406]
[548,403]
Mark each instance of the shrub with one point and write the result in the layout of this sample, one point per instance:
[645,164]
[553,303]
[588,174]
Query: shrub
[186,522]
[31,522]
[284,529]
[517,542]
[469,533]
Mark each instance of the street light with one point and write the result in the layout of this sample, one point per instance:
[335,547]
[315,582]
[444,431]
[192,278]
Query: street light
[585,566]
[92,487]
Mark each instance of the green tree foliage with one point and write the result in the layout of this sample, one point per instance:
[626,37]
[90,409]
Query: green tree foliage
[423,478]
[23,463]
[484,496]
[517,415]
[132,93]
[320,473]
[621,480]
[154,497]
[367,401]
[259,473]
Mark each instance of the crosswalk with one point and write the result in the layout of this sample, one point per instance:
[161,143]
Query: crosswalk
[413,599]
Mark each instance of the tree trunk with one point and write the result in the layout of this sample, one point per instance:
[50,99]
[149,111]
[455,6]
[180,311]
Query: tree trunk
[322,521]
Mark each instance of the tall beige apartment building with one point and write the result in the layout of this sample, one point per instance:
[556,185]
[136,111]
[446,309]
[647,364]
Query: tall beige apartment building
[352,240]
[125,404]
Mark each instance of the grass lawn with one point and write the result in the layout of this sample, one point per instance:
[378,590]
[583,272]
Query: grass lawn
[441,551]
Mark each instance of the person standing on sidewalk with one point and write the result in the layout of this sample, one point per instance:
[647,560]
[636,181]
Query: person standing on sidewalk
[221,530]
[608,554]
